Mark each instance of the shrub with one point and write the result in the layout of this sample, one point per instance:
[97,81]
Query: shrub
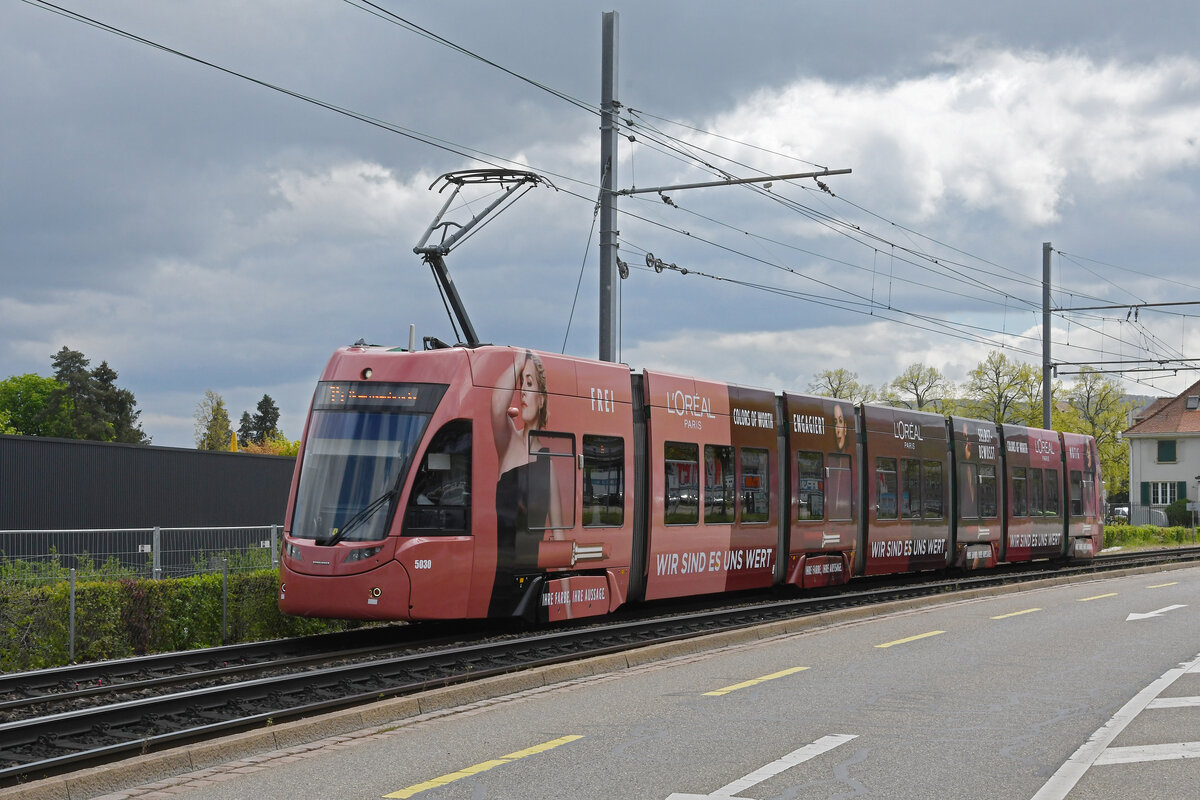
[135,616]
[1178,515]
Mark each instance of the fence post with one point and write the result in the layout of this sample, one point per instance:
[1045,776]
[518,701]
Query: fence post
[156,554]
[224,599]
[274,545]
[71,625]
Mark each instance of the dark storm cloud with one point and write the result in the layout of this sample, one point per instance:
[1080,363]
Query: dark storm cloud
[200,231]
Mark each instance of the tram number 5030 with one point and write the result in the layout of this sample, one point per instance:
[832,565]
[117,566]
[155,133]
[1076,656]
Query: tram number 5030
[423,563]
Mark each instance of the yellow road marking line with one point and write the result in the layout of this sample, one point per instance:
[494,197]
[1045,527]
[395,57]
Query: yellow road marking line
[1096,597]
[1017,613]
[1161,585]
[755,681]
[483,766]
[911,638]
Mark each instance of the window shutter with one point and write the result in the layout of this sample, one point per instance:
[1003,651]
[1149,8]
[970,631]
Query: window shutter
[1145,493]
[1181,491]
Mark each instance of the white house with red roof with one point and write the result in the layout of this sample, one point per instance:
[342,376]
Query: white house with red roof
[1164,455]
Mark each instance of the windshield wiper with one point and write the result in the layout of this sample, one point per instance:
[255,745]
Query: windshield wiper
[361,516]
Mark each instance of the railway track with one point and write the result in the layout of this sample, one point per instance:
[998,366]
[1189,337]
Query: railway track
[53,721]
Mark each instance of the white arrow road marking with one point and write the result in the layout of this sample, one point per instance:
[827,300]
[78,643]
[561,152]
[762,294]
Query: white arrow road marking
[1150,614]
[822,745]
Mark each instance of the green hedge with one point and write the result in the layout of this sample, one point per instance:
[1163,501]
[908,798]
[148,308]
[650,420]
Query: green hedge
[134,616]
[1147,536]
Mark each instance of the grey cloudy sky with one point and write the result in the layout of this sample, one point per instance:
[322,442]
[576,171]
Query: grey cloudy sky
[199,231]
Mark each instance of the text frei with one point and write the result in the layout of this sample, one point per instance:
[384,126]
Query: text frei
[602,400]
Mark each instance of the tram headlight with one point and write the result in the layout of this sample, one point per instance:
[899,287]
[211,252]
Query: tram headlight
[363,553]
[292,551]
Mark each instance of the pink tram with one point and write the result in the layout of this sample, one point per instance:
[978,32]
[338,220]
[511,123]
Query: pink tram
[500,482]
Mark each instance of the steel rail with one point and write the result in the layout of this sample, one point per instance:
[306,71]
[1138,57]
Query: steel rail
[58,742]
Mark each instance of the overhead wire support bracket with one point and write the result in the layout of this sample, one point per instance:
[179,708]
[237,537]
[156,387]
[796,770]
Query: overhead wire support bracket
[434,255]
[1127,305]
[735,181]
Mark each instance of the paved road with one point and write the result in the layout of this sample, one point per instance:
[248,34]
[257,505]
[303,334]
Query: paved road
[1069,691]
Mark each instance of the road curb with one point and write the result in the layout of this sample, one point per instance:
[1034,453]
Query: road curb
[299,736]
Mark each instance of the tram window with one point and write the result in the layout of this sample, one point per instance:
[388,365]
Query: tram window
[559,450]
[718,484]
[1036,506]
[968,491]
[810,489]
[885,488]
[756,493]
[682,465]
[603,481]
[910,496]
[933,490]
[839,491]
[1052,484]
[1089,494]
[440,500]
[987,491]
[1020,492]
[1076,493]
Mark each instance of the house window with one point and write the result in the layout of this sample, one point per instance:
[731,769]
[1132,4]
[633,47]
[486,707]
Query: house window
[1166,451]
[1163,493]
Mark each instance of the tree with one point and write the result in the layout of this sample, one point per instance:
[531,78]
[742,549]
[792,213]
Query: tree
[5,427]
[276,445]
[920,388]
[77,403]
[841,384]
[994,388]
[263,425]
[118,406]
[1098,408]
[245,429]
[26,400]
[213,431]
[266,421]
[84,418]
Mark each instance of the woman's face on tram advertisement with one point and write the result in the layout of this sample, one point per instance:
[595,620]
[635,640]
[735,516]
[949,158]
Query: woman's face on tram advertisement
[966,441]
[532,385]
[839,427]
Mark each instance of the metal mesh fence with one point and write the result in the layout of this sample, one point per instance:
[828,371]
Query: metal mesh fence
[37,556]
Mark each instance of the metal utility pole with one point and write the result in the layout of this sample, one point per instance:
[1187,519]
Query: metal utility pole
[608,192]
[608,181]
[1046,248]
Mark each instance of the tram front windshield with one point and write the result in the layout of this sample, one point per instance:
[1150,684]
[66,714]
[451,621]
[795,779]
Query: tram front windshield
[360,443]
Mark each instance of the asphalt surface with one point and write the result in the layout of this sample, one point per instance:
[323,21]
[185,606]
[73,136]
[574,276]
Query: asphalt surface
[1066,689]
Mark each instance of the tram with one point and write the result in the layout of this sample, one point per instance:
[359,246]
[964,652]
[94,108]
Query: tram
[499,482]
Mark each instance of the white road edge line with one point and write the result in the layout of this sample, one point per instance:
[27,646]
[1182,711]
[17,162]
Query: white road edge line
[1062,781]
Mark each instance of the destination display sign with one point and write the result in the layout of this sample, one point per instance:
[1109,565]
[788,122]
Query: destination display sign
[379,395]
